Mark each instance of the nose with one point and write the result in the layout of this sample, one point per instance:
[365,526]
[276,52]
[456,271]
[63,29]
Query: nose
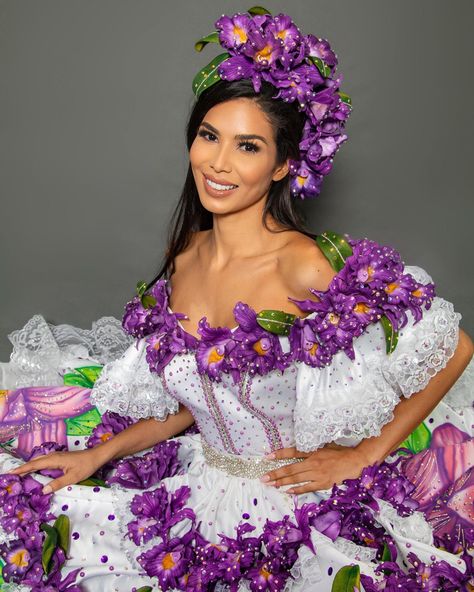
[220,160]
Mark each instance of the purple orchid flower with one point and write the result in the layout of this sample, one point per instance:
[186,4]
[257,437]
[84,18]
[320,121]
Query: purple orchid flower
[139,321]
[213,350]
[234,30]
[256,349]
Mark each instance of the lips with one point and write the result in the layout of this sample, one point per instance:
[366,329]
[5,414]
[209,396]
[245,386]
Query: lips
[219,181]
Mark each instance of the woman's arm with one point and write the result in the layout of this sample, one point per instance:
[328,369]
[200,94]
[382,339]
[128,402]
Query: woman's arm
[332,464]
[409,413]
[142,435]
[81,464]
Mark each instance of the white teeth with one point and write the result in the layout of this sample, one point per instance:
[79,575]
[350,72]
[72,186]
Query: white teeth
[219,187]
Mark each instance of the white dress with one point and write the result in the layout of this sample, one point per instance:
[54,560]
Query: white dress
[304,407]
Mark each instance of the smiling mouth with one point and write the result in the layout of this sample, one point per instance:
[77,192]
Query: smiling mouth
[219,186]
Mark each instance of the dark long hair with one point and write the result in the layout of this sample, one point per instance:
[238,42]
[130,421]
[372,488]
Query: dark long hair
[287,122]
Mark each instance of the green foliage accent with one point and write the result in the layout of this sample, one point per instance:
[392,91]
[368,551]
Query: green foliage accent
[276,321]
[56,536]
[82,425]
[211,38]
[335,248]
[145,589]
[84,376]
[323,68]
[141,287]
[63,527]
[419,439]
[258,10]
[147,300]
[2,563]
[386,555]
[208,75]
[345,98]
[347,579]
[391,336]
[49,546]
[93,482]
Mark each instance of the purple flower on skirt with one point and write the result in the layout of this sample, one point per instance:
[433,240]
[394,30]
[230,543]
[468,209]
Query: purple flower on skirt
[169,560]
[10,486]
[267,575]
[21,562]
[141,472]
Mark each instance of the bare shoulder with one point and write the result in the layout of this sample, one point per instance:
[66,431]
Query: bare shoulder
[304,265]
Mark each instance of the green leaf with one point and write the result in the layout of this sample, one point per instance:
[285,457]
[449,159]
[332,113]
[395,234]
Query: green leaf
[323,68]
[386,555]
[419,439]
[141,287]
[345,98]
[258,10]
[84,376]
[391,336]
[208,75]
[49,546]
[335,248]
[145,589]
[211,38]
[63,527]
[148,301]
[82,425]
[276,321]
[93,482]
[347,579]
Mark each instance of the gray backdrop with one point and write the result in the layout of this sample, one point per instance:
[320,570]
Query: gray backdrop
[93,103]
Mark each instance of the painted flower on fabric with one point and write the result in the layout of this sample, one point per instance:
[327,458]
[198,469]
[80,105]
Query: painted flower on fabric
[433,470]
[256,350]
[452,515]
[213,350]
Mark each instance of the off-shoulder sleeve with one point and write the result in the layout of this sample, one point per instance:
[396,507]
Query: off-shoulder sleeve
[350,400]
[127,386]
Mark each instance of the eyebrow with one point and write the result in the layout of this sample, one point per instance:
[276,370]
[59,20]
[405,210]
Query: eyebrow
[238,136]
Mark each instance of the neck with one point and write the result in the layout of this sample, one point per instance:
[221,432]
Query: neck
[239,235]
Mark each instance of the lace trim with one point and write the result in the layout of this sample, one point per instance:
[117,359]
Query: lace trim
[315,426]
[424,349]
[41,349]
[414,526]
[127,386]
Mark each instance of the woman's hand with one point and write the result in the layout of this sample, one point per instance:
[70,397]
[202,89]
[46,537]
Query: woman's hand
[322,468]
[76,466]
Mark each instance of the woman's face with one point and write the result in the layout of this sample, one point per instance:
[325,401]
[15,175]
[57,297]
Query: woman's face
[235,148]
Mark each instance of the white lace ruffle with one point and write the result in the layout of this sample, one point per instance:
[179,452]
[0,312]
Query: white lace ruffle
[423,349]
[127,386]
[42,351]
[353,399]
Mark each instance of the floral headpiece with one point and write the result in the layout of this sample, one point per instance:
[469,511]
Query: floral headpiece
[302,68]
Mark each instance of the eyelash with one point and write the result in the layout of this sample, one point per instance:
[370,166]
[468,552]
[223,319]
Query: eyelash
[254,147]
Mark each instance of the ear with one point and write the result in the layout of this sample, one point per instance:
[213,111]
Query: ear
[281,171]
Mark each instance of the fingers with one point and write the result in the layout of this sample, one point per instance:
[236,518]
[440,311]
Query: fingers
[291,452]
[287,471]
[56,484]
[46,461]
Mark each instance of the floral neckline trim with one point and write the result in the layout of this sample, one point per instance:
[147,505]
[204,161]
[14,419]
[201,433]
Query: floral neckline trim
[370,286]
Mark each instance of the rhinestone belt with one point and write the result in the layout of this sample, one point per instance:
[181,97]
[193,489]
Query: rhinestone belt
[240,466]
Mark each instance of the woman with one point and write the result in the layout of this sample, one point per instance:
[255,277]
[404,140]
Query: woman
[287,401]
